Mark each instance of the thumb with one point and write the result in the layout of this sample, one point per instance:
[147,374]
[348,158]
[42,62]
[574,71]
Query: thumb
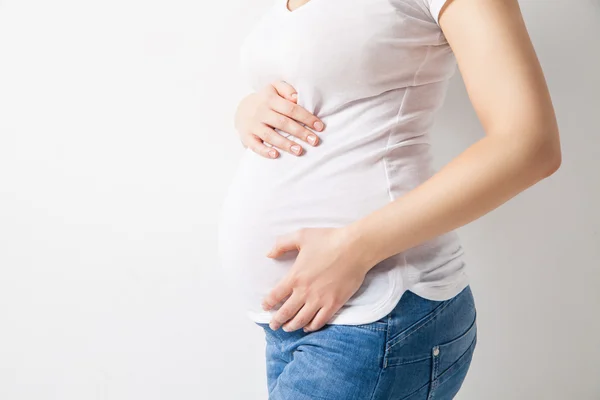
[285,90]
[284,244]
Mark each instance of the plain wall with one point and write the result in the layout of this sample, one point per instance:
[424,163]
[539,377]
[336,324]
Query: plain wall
[116,148]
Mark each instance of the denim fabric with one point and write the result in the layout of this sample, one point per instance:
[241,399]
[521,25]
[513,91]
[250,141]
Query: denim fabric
[419,351]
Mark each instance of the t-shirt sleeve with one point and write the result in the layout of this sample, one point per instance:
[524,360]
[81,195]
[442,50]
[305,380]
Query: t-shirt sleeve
[434,8]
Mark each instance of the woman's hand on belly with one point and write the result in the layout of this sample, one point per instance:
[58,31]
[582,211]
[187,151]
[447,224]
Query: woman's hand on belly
[275,107]
[326,273]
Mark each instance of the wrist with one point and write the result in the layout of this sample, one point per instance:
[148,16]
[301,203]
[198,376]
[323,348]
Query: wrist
[360,246]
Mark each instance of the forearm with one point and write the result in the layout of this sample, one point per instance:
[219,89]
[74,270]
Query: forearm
[484,176]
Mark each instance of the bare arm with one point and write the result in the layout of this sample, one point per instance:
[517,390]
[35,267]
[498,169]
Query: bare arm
[507,88]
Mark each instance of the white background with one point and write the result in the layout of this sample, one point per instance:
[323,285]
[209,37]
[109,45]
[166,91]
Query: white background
[116,148]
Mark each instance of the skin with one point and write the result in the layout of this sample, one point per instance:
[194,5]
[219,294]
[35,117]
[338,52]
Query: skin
[521,147]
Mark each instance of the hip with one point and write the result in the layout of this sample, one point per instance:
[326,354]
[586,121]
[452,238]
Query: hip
[421,349]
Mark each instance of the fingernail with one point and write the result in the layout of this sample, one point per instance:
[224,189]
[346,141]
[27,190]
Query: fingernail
[312,139]
[294,96]
[306,330]
[273,153]
[296,149]
[319,126]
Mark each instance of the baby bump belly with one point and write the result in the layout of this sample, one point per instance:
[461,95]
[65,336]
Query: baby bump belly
[269,198]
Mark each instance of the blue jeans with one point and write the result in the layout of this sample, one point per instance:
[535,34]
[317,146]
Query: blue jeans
[421,350]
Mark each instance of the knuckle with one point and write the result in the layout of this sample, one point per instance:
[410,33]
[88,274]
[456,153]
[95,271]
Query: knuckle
[267,135]
[265,100]
[296,129]
[314,325]
[284,314]
[269,88]
[292,326]
[272,96]
[301,285]
[301,321]
[331,302]
[297,323]
[282,121]
[260,134]
[296,282]
[301,289]
[292,109]
[271,102]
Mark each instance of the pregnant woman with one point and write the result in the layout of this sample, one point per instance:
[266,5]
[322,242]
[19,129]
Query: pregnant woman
[338,236]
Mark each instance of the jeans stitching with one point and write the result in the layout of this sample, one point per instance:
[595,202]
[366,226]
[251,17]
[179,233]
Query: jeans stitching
[425,321]
[409,362]
[371,328]
[471,327]
[384,357]
[433,379]
[451,371]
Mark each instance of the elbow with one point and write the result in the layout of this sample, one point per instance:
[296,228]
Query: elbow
[553,163]
[549,156]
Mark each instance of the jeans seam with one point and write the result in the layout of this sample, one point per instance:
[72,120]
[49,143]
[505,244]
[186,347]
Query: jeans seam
[371,328]
[451,371]
[410,362]
[426,320]
[433,382]
[384,356]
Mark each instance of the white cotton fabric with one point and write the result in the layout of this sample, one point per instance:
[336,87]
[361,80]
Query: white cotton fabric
[375,72]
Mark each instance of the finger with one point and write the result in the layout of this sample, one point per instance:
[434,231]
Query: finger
[296,112]
[302,318]
[320,319]
[268,134]
[277,294]
[285,90]
[286,124]
[287,311]
[256,144]
[285,243]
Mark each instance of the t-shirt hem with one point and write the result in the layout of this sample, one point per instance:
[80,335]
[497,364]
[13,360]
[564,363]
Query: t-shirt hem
[431,291]
[356,315]
[361,315]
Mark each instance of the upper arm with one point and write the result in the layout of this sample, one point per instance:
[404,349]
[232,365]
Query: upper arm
[500,69]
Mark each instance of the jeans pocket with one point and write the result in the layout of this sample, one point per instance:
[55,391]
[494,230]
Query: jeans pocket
[451,361]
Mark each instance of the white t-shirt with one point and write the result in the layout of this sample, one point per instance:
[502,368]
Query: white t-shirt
[375,72]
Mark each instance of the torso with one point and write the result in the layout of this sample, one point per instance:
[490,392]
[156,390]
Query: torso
[375,72]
